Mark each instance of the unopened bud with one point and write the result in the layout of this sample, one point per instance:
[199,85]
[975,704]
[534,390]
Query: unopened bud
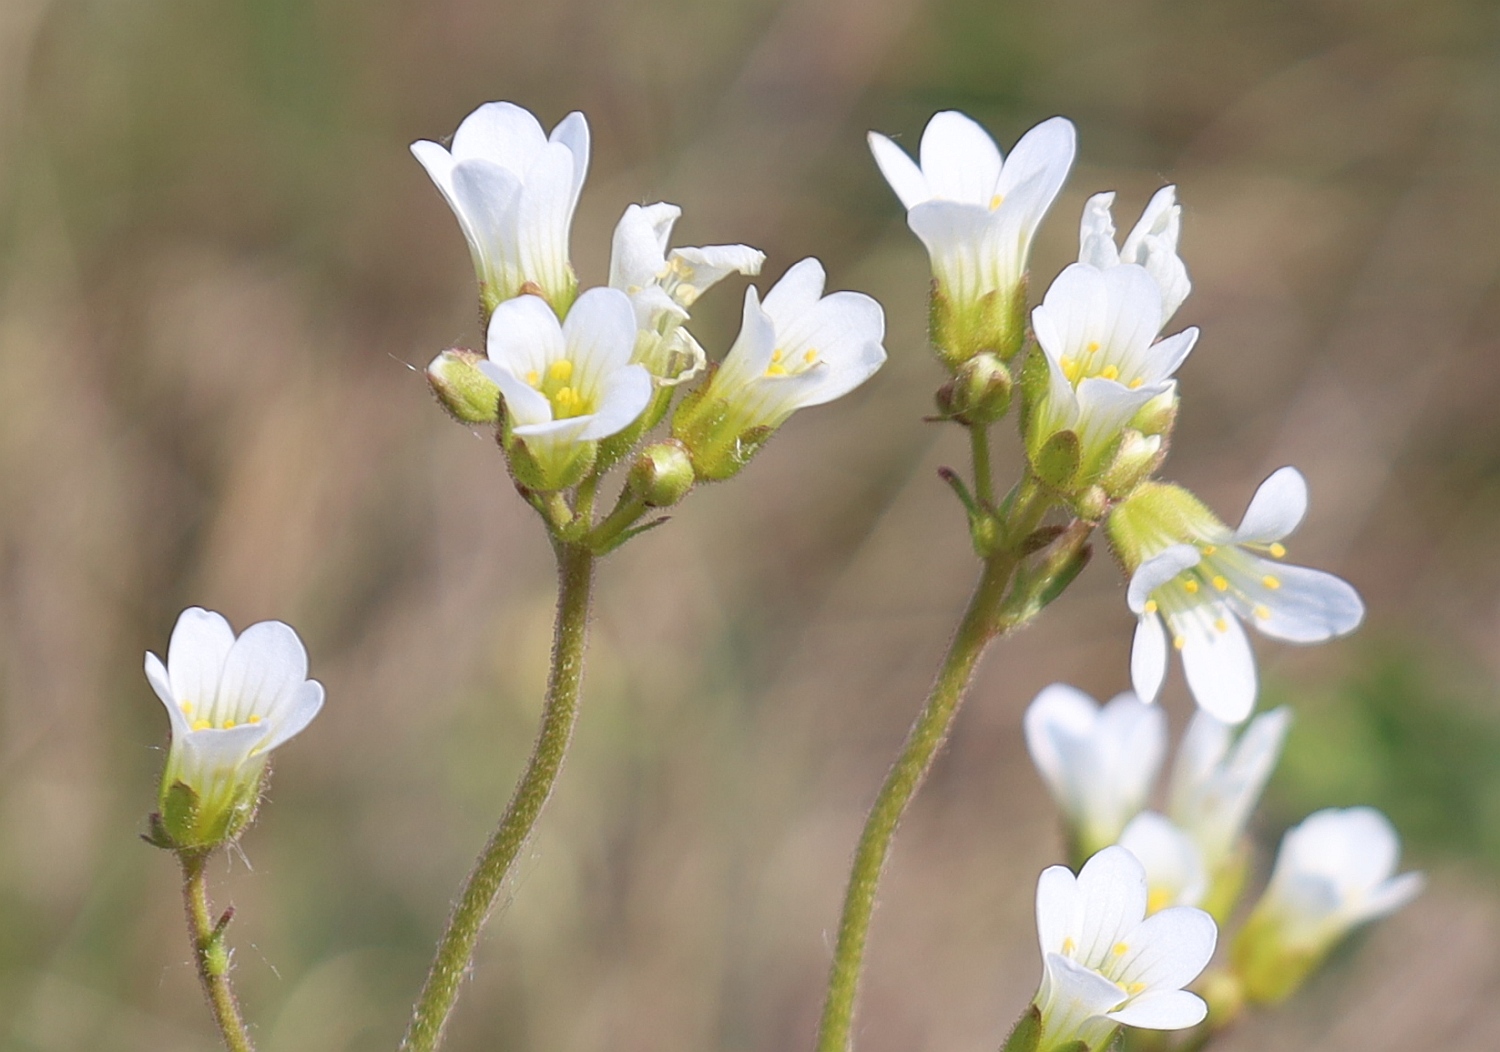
[979,392]
[1157,416]
[461,388]
[1091,504]
[1133,463]
[662,475]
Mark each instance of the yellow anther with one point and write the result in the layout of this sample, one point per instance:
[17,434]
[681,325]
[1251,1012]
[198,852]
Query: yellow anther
[1119,949]
[532,378]
[187,708]
[1110,372]
[1158,899]
[1209,549]
[777,355]
[1221,583]
[775,370]
[1277,550]
[1071,369]
[1179,642]
[1262,612]
[561,370]
[1221,625]
[1069,946]
[1271,582]
[253,719]
[1136,383]
[229,725]
[995,201]
[1150,606]
[201,725]
[1093,347]
[1134,988]
[810,356]
[687,294]
[1190,586]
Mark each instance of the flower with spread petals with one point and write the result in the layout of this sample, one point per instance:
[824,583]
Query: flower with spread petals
[1097,330]
[1333,872]
[1193,580]
[1107,964]
[1099,763]
[1173,863]
[1151,244]
[663,284]
[798,348]
[1216,782]
[513,189]
[231,701]
[565,385]
[977,212]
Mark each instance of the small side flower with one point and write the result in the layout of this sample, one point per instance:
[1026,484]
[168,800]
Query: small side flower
[799,348]
[1333,873]
[231,701]
[1174,866]
[1151,244]
[1099,763]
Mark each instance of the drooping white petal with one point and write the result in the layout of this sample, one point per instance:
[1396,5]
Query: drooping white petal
[1218,661]
[1388,897]
[1276,509]
[1104,408]
[710,264]
[215,753]
[1157,571]
[1167,355]
[900,171]
[959,159]
[1148,657]
[1163,1010]
[1308,606]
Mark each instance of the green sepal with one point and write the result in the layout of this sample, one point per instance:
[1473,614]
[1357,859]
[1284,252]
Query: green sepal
[179,814]
[1035,381]
[532,474]
[1056,462]
[979,392]
[156,832]
[607,546]
[1026,1035]
[995,323]
[718,445]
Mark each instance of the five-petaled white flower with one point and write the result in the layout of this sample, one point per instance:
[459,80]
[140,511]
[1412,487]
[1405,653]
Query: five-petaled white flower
[514,190]
[977,212]
[1097,329]
[1203,578]
[1098,762]
[231,701]
[1105,963]
[1174,866]
[663,284]
[1333,872]
[568,384]
[798,348]
[1151,244]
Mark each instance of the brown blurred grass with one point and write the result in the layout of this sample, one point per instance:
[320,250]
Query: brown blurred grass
[219,261]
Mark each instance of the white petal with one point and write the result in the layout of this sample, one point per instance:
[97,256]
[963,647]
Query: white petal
[263,672]
[501,133]
[1056,907]
[1167,355]
[1078,992]
[1160,218]
[525,336]
[156,675]
[1104,408]
[1219,665]
[750,354]
[638,250]
[573,132]
[1310,606]
[214,751]
[1044,154]
[899,170]
[486,197]
[843,331]
[1148,657]
[544,215]
[1276,509]
[200,643]
[526,405]
[306,704]
[796,293]
[1356,847]
[1112,891]
[958,238]
[959,159]
[1163,1010]
[1157,571]
[710,264]
[627,391]
[1096,232]
[1169,949]
[599,336]
[1173,864]
[1390,896]
[1059,712]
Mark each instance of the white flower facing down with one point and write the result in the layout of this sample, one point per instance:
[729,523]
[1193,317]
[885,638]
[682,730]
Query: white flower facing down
[663,284]
[1098,762]
[975,211]
[1174,867]
[1333,872]
[1152,244]
[230,701]
[1105,963]
[797,348]
[1097,329]
[1218,778]
[513,189]
[1199,592]
[566,385]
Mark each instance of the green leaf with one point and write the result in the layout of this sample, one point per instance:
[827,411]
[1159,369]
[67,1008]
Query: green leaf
[1056,463]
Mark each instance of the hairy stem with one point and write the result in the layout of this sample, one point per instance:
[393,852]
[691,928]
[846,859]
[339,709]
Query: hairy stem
[210,954]
[455,952]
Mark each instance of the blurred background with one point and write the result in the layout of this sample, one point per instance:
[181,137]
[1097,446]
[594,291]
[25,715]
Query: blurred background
[220,265]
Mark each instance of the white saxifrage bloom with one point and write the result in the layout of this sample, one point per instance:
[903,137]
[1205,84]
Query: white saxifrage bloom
[1097,330]
[1152,244]
[977,213]
[230,701]
[1216,782]
[798,348]
[1105,963]
[1334,871]
[662,284]
[1099,763]
[513,189]
[1174,866]
[565,385]
[1196,580]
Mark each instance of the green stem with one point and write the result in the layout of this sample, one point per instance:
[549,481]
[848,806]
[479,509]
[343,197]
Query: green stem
[984,486]
[981,624]
[209,954]
[450,964]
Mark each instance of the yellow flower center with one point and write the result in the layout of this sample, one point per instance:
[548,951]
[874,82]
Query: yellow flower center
[783,366]
[567,400]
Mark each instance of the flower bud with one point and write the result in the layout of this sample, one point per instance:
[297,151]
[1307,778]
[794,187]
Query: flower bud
[662,475]
[461,388]
[1158,416]
[1133,463]
[979,393]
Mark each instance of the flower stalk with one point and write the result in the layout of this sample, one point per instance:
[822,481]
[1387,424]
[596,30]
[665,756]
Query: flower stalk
[575,567]
[210,955]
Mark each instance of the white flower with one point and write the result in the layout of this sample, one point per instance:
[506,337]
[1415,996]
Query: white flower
[231,701]
[514,190]
[1174,867]
[977,213]
[1333,872]
[798,348]
[1217,779]
[1105,963]
[1099,763]
[662,285]
[1201,585]
[1152,243]
[566,384]
[1097,330]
